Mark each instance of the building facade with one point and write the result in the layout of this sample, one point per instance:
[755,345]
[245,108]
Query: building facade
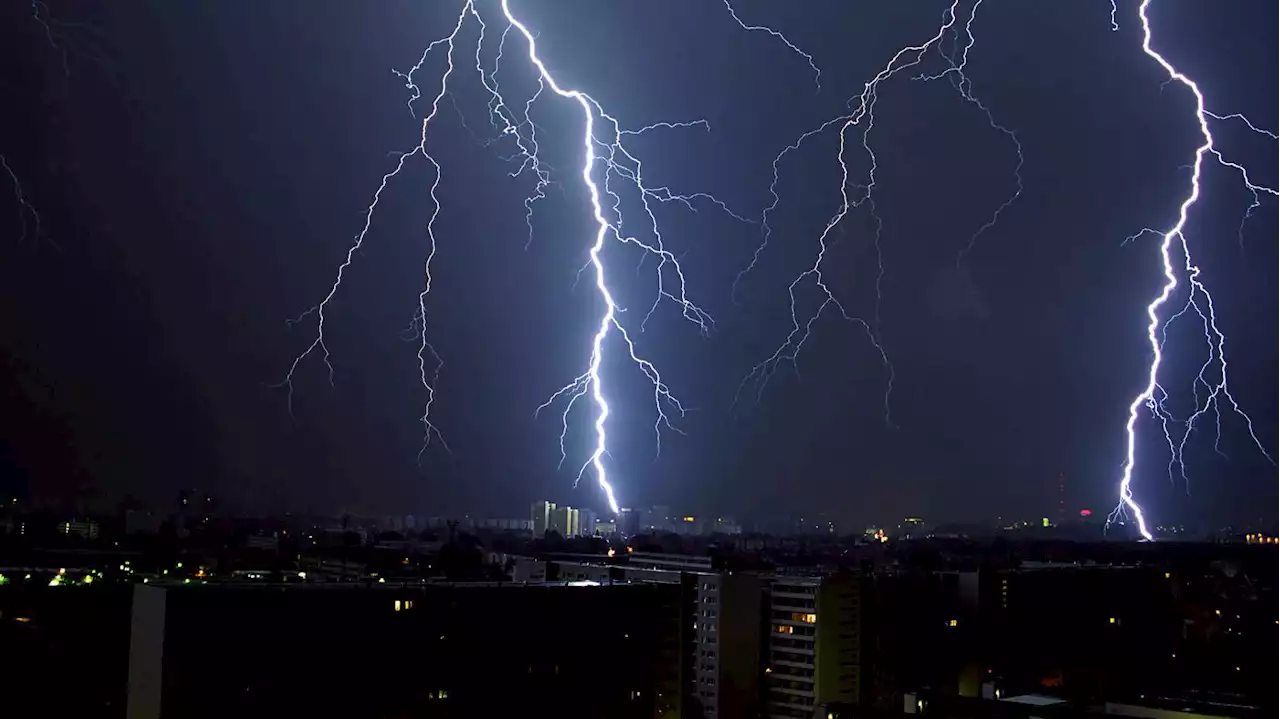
[816,635]
[540,515]
[447,650]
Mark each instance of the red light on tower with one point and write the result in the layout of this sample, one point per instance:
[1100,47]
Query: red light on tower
[1086,513]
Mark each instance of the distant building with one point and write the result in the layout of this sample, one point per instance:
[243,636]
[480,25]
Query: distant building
[670,562]
[726,525]
[564,520]
[506,525]
[269,542]
[658,518]
[587,522]
[138,521]
[629,522]
[541,517]
[911,528]
[83,528]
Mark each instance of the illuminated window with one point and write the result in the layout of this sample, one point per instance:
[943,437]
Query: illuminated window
[806,618]
[1112,620]
[397,605]
[785,629]
[953,623]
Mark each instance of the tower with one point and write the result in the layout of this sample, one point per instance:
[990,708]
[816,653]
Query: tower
[1062,497]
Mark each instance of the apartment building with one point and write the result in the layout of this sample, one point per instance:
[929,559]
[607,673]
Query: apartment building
[815,645]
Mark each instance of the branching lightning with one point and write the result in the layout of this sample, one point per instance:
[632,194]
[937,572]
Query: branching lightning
[608,166]
[428,377]
[862,112]
[611,174]
[44,17]
[56,33]
[817,72]
[1212,376]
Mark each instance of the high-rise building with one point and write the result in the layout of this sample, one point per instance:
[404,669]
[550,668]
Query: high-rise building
[717,661]
[727,633]
[540,513]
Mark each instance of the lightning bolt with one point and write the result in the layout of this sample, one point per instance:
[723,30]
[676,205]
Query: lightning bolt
[619,164]
[861,111]
[608,166]
[24,206]
[1199,300]
[817,72]
[44,17]
[319,310]
[51,28]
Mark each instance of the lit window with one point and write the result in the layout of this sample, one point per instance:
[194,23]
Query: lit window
[806,618]
[397,605]
[1112,620]
[953,623]
[785,629]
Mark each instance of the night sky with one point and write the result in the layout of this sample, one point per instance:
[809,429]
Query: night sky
[200,170]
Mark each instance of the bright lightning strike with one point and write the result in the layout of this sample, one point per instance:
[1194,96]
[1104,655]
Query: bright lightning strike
[608,166]
[862,112]
[1199,300]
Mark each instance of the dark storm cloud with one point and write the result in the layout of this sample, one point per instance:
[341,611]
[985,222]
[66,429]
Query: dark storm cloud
[953,296]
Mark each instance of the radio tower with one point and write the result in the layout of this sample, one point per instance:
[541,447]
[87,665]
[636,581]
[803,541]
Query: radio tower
[1062,498]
